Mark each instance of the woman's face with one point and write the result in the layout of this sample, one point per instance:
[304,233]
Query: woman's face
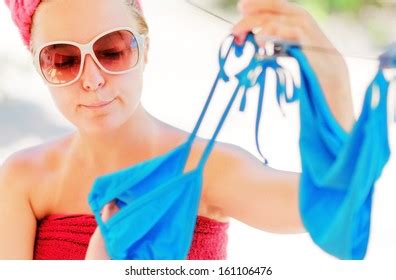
[80,21]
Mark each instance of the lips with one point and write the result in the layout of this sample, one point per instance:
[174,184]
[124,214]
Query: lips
[98,104]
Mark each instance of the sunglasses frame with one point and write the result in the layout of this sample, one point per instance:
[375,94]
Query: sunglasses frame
[88,49]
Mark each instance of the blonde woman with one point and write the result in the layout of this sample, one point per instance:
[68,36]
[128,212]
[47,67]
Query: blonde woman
[44,213]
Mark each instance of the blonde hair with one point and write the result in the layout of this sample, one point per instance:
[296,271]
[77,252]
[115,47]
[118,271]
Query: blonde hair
[137,13]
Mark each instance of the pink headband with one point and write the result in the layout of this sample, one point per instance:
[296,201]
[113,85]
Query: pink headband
[22,12]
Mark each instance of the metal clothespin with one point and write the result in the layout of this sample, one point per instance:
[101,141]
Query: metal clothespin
[273,46]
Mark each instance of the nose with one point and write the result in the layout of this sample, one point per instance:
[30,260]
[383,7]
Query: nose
[91,76]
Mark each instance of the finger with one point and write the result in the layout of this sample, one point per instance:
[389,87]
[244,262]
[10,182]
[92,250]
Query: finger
[246,25]
[257,6]
[279,31]
[259,22]
[109,210]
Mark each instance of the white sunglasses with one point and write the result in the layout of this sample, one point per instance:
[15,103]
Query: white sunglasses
[116,51]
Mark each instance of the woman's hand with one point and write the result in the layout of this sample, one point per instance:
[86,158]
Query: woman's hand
[290,22]
[96,248]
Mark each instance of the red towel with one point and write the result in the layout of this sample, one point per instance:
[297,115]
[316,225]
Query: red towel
[66,237]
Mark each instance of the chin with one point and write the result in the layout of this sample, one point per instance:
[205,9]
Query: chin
[101,124]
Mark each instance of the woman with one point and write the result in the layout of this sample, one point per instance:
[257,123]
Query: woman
[43,187]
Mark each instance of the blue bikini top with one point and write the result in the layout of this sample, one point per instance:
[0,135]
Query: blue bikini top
[158,202]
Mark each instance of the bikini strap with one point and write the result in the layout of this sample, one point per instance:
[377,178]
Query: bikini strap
[244,83]
[221,76]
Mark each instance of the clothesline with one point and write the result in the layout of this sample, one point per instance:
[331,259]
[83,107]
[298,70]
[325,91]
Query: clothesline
[304,46]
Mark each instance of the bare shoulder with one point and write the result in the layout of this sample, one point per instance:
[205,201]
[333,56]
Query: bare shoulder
[224,162]
[30,160]
[223,158]
[29,167]
[221,153]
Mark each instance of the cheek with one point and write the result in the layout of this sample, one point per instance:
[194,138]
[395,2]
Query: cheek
[130,87]
[63,100]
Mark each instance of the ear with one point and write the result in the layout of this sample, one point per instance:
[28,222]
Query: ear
[146,49]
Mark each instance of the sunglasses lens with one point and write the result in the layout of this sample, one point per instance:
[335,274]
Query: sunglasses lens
[117,51]
[60,63]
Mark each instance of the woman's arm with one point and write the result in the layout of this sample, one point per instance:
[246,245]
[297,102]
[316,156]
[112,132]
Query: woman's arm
[17,220]
[240,186]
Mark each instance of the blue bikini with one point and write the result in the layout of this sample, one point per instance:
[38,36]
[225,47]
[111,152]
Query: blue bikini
[159,202]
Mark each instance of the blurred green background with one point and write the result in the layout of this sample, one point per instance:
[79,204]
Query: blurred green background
[367,21]
[324,7]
